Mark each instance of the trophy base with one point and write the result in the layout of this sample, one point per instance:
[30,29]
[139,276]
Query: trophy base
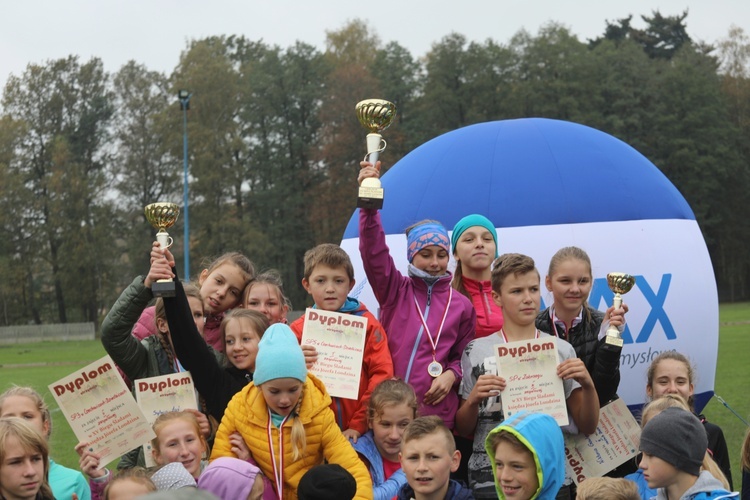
[370,197]
[163,288]
[613,341]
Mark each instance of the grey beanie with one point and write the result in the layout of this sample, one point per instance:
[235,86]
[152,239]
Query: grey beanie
[677,437]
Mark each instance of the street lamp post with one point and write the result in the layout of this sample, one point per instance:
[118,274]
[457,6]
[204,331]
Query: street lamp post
[184,97]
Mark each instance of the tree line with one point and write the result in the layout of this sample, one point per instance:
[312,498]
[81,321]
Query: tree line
[274,144]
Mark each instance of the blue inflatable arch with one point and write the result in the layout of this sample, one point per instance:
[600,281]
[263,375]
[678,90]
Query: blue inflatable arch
[546,184]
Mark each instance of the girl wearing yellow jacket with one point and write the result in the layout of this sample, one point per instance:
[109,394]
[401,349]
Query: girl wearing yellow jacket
[285,420]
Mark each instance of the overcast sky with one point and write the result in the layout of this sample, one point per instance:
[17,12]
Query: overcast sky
[154,32]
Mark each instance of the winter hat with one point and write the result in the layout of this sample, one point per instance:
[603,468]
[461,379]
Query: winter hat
[471,221]
[327,481]
[172,476]
[425,235]
[279,356]
[677,437]
[229,478]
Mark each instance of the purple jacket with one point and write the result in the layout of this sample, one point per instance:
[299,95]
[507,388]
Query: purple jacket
[410,348]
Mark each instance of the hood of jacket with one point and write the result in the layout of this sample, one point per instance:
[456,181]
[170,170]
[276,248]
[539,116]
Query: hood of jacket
[706,487]
[543,437]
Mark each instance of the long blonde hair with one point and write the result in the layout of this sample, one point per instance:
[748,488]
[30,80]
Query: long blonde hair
[676,401]
[31,441]
[299,438]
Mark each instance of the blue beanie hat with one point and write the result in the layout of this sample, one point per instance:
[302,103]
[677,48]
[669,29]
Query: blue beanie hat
[279,356]
[471,221]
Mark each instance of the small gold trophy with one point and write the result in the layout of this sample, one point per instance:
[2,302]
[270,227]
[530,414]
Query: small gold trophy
[620,283]
[163,216]
[375,115]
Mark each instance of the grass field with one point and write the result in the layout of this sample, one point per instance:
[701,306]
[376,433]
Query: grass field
[40,364]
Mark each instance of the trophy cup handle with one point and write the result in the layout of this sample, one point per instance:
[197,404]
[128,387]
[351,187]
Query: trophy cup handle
[165,241]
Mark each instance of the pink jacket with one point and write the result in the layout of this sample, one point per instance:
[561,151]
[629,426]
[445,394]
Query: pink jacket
[410,348]
[146,326]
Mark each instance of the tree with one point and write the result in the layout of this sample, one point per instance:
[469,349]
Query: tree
[146,171]
[65,107]
[282,96]
[733,268]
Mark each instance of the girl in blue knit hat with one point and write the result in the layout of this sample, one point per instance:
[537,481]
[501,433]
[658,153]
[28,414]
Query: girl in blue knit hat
[285,419]
[474,242]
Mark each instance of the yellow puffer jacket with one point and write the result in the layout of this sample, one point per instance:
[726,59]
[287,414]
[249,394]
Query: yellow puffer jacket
[247,414]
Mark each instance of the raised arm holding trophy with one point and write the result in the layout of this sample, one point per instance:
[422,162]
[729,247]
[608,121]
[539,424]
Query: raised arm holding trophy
[163,216]
[375,115]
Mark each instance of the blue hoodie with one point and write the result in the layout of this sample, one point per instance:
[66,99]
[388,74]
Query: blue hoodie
[543,438]
[382,488]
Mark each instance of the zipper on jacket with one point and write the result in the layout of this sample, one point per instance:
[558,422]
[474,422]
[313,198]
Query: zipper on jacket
[486,301]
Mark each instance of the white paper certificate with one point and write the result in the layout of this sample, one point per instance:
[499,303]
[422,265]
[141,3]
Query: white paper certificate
[529,368]
[340,342]
[101,410]
[615,441]
[162,394]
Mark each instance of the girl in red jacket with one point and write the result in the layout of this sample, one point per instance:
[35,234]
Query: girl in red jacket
[474,242]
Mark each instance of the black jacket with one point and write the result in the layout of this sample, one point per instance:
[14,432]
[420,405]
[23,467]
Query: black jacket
[216,384]
[601,360]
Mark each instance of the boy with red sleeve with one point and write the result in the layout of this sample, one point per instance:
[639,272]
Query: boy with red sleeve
[329,277]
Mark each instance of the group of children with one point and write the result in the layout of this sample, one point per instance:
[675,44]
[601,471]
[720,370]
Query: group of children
[428,394]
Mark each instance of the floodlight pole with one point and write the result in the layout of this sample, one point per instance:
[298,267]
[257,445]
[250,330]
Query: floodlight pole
[184,97]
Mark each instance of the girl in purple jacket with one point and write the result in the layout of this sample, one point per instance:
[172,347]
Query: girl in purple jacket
[428,323]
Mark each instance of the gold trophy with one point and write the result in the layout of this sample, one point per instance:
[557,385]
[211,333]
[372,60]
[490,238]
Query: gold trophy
[163,216]
[620,283]
[375,115]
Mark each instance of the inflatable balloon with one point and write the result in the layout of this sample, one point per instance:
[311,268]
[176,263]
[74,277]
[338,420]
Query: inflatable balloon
[546,184]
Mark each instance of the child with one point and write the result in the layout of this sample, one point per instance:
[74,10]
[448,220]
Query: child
[393,405]
[570,318]
[241,332]
[674,444]
[527,456]
[651,410]
[428,457]
[24,461]
[265,293]
[221,286]
[26,403]
[130,483]
[474,242]
[515,288]
[431,325]
[607,488]
[329,277]
[285,419]
[233,479]
[671,373]
[155,354]
[179,439]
